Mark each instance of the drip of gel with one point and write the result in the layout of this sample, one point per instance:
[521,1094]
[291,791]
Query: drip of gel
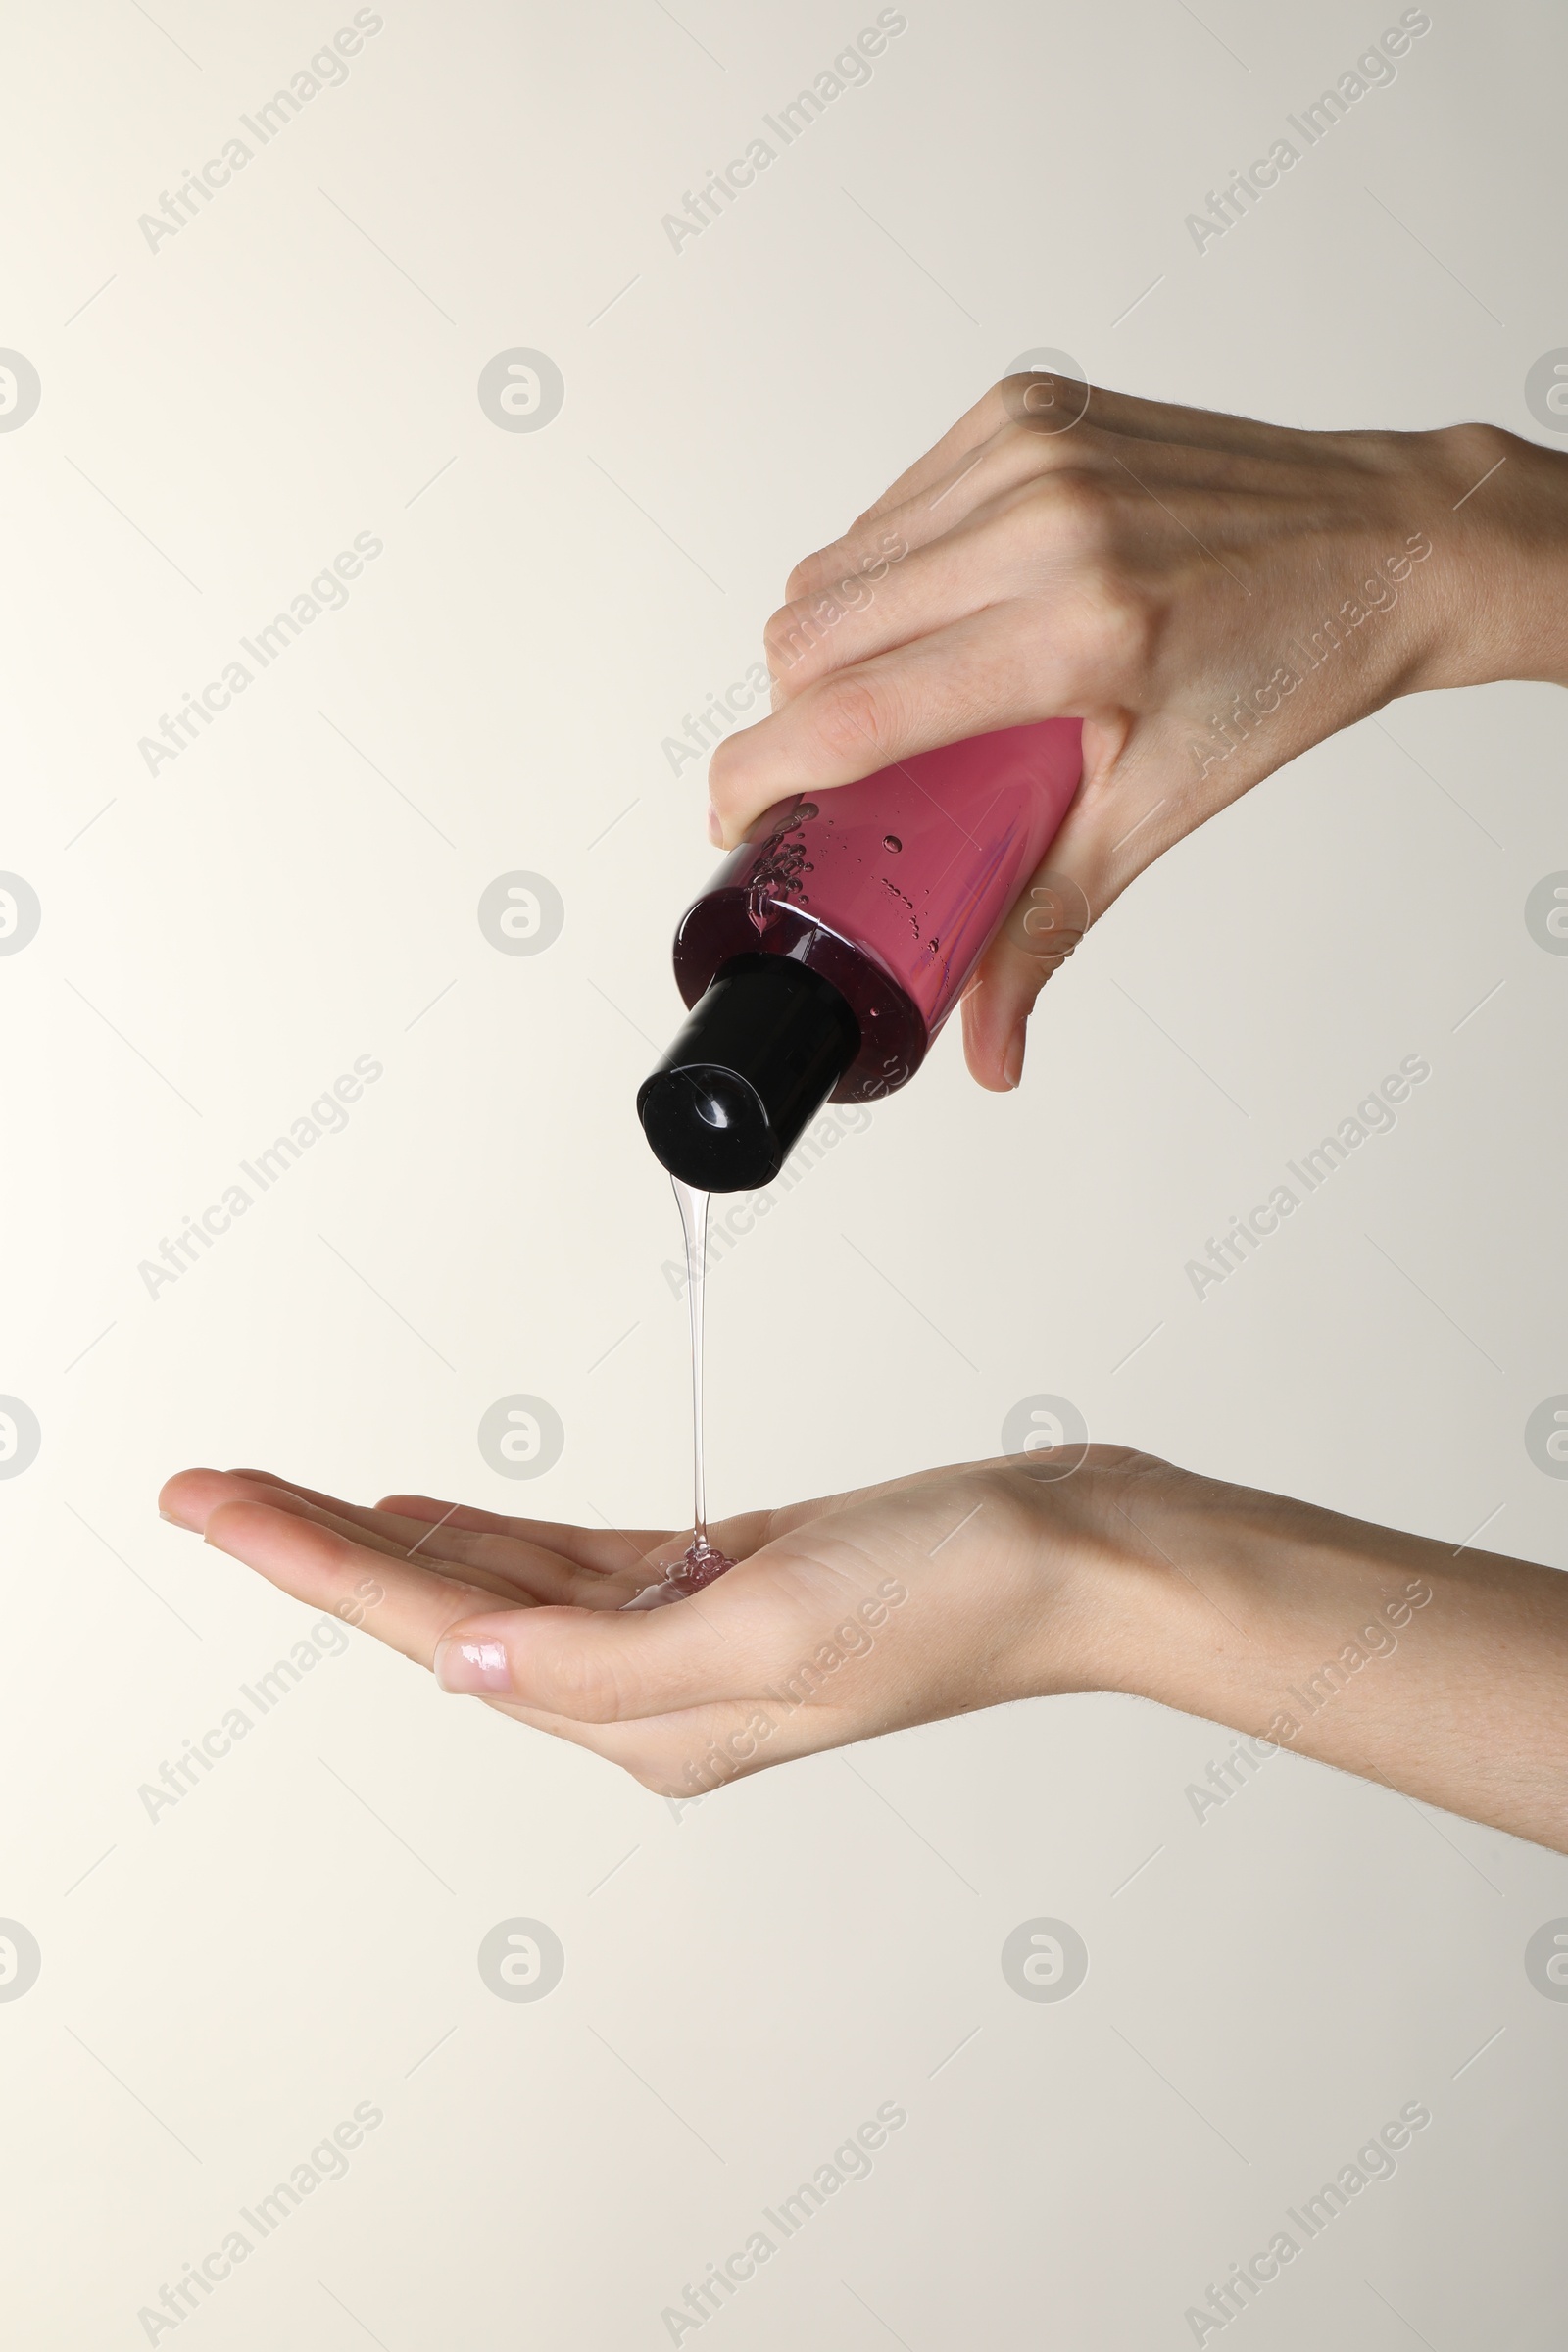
[702,1562]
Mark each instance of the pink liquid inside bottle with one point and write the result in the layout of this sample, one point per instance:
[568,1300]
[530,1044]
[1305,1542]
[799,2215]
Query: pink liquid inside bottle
[830,946]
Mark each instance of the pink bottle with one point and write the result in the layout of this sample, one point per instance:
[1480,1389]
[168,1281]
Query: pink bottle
[829,949]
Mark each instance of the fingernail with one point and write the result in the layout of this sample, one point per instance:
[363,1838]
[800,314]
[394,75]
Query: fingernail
[716,828]
[472,1666]
[174,1522]
[1013,1059]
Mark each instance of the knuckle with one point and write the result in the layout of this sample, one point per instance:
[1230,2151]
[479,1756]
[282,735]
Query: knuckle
[1049,922]
[584,1686]
[806,573]
[853,722]
[1060,516]
[1080,510]
[1477,448]
[793,632]
[776,629]
[1120,622]
[1041,405]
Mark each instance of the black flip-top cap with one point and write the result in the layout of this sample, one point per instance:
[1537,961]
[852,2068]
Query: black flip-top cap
[759,1054]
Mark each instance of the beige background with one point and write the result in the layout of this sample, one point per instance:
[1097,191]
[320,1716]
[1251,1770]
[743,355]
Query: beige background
[220,1987]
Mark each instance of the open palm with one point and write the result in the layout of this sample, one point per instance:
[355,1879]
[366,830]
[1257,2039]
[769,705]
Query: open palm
[843,1617]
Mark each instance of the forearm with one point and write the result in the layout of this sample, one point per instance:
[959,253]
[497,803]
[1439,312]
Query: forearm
[1439,1671]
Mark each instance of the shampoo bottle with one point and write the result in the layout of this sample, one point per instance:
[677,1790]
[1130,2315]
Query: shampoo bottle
[830,946]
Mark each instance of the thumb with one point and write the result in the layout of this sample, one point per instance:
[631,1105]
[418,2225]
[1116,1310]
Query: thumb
[1045,924]
[596,1665]
[1126,813]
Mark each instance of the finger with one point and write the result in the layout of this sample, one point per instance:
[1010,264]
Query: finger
[1132,805]
[508,1563]
[510,1570]
[1017,453]
[1043,925]
[526,1558]
[600,1549]
[399,1531]
[408,1608]
[505,1555]
[271,1478]
[998,1003]
[853,569]
[1001,668]
[395,1534]
[945,456]
[982,561]
[194,1495]
[412,1523]
[1040,401]
[189,1497]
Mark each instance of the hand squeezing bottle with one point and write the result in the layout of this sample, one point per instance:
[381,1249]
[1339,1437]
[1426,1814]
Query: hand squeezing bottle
[830,946]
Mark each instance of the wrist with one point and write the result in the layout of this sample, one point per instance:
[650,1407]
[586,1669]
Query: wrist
[1226,1603]
[1495,509]
[1112,1602]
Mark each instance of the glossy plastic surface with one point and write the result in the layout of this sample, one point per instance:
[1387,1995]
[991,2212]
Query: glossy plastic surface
[893,887]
